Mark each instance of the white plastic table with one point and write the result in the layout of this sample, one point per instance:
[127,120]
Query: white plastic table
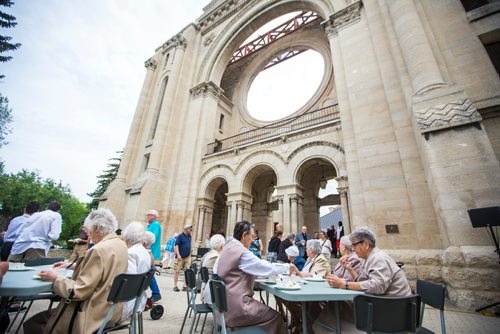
[309,292]
[21,283]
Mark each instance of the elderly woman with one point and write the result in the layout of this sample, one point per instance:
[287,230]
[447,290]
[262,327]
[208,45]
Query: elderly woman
[316,264]
[87,291]
[293,256]
[378,275]
[139,261]
[349,265]
[217,242]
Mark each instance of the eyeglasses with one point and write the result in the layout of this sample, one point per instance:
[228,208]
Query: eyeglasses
[357,243]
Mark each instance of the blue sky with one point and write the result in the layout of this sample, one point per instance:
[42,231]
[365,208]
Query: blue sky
[74,84]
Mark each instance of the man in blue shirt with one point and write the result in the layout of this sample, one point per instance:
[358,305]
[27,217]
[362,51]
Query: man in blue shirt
[155,228]
[183,253]
[169,254]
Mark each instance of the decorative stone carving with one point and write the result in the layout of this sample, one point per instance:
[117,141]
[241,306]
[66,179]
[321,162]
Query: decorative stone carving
[209,39]
[137,187]
[174,42]
[151,64]
[206,88]
[219,12]
[343,18]
[447,115]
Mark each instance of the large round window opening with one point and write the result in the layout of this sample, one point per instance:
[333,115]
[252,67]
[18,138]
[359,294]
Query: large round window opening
[285,85]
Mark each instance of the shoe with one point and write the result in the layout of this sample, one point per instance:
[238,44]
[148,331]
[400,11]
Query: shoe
[184,288]
[176,289]
[155,298]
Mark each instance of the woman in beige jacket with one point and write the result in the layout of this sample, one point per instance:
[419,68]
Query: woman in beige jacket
[91,282]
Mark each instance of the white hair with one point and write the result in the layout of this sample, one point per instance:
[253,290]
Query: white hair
[217,241]
[292,251]
[346,242]
[148,239]
[314,245]
[363,233]
[103,221]
[134,233]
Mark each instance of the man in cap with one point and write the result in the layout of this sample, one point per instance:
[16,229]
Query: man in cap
[182,250]
[155,228]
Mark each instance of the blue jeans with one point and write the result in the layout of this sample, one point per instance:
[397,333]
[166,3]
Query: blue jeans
[155,290]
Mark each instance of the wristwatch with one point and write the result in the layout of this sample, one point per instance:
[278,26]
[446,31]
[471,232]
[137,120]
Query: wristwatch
[346,286]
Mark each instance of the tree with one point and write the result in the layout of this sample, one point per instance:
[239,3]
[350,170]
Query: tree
[5,119]
[7,21]
[103,180]
[22,187]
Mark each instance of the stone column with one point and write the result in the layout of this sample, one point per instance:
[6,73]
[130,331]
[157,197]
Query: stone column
[344,203]
[287,227]
[417,52]
[166,110]
[201,222]
[240,206]
[135,129]
[293,213]
[280,210]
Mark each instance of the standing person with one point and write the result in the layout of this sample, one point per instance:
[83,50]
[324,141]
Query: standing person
[282,256]
[326,245]
[182,250]
[15,228]
[301,240]
[38,233]
[256,245]
[330,233]
[274,246]
[340,234]
[316,235]
[169,254]
[81,244]
[155,228]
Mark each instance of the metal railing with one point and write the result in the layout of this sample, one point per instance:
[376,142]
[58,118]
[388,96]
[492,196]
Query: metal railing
[276,129]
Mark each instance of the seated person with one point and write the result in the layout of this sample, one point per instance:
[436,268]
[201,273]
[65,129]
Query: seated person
[90,284]
[147,241]
[217,242]
[378,275]
[238,267]
[349,265]
[139,261]
[293,256]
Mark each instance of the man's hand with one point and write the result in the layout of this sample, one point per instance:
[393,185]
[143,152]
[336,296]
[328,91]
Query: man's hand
[294,269]
[61,265]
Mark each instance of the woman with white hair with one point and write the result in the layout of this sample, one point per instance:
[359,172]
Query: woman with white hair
[349,264]
[217,242]
[139,261]
[85,294]
[316,264]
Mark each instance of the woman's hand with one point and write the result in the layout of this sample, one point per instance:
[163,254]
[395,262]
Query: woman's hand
[48,275]
[61,265]
[335,282]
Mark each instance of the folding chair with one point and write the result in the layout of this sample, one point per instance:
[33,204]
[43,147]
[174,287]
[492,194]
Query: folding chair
[379,314]
[219,299]
[43,261]
[431,294]
[125,288]
[198,309]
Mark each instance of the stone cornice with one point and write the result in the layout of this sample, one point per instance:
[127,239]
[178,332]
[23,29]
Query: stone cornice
[151,64]
[178,41]
[220,13]
[447,115]
[343,18]
[206,89]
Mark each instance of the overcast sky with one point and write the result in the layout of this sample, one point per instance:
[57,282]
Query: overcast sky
[74,84]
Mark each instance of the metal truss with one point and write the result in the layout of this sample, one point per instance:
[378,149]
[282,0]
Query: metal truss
[284,56]
[273,35]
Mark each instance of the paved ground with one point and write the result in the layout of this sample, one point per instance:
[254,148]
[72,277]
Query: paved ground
[457,321]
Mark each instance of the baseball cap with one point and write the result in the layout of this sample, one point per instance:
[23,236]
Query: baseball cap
[153,213]
[187,226]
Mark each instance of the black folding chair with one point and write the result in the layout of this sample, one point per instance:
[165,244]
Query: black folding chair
[431,294]
[219,299]
[197,309]
[126,287]
[379,314]
[43,261]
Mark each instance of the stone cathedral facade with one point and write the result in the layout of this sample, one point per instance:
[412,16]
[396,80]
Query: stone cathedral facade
[405,119]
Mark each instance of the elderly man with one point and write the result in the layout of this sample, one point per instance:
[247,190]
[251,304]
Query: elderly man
[301,240]
[39,231]
[182,250]
[16,226]
[85,305]
[155,228]
[169,254]
[237,266]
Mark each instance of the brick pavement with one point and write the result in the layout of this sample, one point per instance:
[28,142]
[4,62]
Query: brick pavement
[457,321]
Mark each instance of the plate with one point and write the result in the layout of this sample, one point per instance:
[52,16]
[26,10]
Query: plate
[36,276]
[265,280]
[295,287]
[21,269]
[314,279]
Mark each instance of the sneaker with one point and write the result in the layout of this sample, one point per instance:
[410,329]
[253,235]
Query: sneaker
[184,289]
[176,289]
[155,298]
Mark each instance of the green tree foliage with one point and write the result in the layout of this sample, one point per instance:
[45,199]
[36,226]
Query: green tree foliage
[22,187]
[103,180]
[7,21]
[5,119]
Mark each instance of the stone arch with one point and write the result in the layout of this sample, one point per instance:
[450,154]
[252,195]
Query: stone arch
[252,168]
[241,26]
[223,172]
[273,155]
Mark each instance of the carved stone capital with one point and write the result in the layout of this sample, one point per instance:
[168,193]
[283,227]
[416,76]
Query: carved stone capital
[206,88]
[343,18]
[151,64]
[447,115]
[341,182]
[178,41]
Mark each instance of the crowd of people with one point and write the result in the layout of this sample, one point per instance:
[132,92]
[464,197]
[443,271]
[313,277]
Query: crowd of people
[236,260]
